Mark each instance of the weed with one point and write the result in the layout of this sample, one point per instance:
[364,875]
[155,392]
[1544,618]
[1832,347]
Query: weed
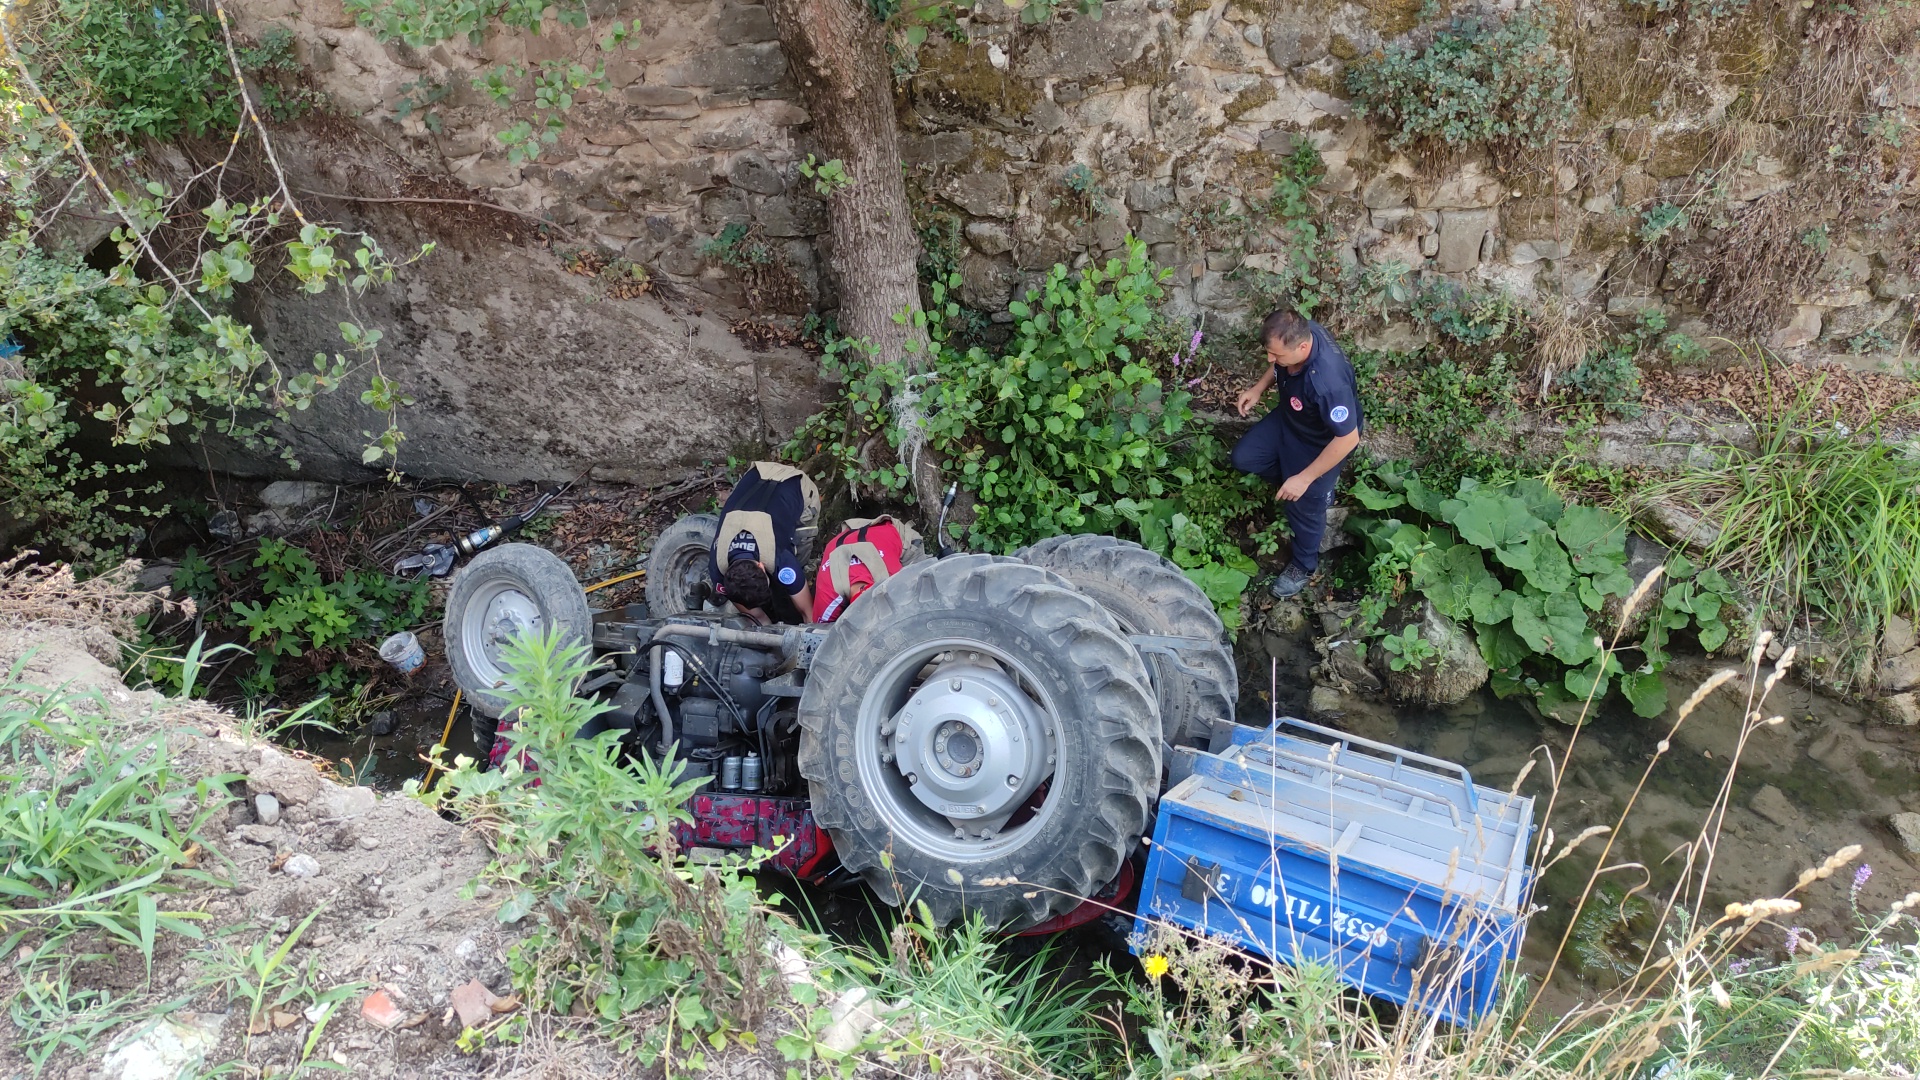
[586,849]
[1820,520]
[738,246]
[1407,649]
[266,982]
[829,177]
[1662,221]
[1083,192]
[1495,83]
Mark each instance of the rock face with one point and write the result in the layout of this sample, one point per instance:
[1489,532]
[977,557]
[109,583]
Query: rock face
[1446,679]
[1023,146]
[1907,828]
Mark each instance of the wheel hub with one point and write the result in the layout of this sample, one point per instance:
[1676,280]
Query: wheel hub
[971,744]
[508,613]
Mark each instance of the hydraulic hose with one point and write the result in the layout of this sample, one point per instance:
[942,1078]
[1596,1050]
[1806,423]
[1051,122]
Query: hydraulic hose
[659,698]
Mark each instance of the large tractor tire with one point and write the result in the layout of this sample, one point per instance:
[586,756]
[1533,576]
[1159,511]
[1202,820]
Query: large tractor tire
[979,736]
[677,565]
[1147,594]
[505,591]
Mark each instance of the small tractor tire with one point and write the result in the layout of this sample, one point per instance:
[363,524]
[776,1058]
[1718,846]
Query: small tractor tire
[678,564]
[505,591]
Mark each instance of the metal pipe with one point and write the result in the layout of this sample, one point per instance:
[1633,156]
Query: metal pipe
[783,642]
[659,699]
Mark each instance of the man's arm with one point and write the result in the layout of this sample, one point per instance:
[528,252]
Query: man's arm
[804,601]
[1251,396]
[1335,453]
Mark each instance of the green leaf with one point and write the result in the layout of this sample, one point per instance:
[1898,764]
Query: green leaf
[1491,602]
[1596,539]
[1554,625]
[1549,570]
[1495,521]
[1539,499]
[1222,584]
[1645,691]
[1713,634]
[1376,500]
[1448,578]
[1500,647]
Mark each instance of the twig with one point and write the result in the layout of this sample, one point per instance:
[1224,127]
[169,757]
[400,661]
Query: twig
[449,202]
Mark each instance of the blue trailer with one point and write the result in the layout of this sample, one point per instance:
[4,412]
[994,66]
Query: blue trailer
[1303,842]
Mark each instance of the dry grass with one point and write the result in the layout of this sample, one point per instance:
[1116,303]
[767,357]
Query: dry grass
[51,595]
[1564,332]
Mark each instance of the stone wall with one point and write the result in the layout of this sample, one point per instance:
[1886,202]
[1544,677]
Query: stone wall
[1161,111]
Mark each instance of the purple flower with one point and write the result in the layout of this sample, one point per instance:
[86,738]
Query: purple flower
[1739,967]
[1793,939]
[1193,382]
[1193,347]
[1860,877]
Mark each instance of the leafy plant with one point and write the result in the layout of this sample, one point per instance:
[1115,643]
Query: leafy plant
[829,177]
[1434,399]
[1533,576]
[1407,649]
[1662,221]
[301,616]
[1084,193]
[739,246]
[1608,377]
[1479,82]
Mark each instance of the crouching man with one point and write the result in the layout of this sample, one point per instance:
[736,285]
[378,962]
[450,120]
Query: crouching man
[757,564]
[1300,446]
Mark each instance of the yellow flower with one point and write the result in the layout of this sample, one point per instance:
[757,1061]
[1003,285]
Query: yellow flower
[1155,966]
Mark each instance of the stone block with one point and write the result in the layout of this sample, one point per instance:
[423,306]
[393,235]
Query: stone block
[1802,330]
[1631,305]
[1466,188]
[1772,804]
[1894,285]
[1846,322]
[290,781]
[730,137]
[1148,197]
[753,172]
[982,194]
[1897,637]
[487,172]
[1637,189]
[1907,828]
[1899,674]
[623,72]
[724,207]
[286,494]
[1278,142]
[1292,41]
[985,282]
[789,215]
[1678,153]
[1461,235]
[1109,231]
[942,148]
[782,113]
[741,24]
[989,237]
[732,67]
[1386,191]
[653,97]
[1901,709]
[1533,251]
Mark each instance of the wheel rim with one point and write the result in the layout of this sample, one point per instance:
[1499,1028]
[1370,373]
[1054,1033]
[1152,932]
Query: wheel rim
[497,612]
[954,739]
[685,571]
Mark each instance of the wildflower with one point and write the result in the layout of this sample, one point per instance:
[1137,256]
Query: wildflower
[1794,934]
[1860,877]
[1155,966]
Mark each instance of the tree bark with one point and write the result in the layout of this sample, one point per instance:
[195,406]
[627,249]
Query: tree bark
[840,61]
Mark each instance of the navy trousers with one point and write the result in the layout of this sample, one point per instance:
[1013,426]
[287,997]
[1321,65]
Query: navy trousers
[1267,452]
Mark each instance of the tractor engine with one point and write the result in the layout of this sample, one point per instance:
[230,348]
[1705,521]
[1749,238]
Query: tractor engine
[721,694]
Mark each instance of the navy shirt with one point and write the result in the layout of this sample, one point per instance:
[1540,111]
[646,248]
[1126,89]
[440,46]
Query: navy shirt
[784,502]
[1319,404]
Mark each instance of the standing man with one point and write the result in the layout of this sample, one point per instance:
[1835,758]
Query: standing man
[1300,445]
[756,561]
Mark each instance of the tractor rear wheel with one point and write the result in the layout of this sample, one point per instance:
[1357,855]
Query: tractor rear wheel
[1147,594]
[507,591]
[677,565]
[980,737]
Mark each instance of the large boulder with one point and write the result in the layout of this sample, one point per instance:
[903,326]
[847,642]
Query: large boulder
[1449,677]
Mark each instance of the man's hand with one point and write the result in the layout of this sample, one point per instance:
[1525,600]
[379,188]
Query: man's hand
[1250,397]
[1295,486]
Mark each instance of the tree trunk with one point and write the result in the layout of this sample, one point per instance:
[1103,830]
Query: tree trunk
[840,61]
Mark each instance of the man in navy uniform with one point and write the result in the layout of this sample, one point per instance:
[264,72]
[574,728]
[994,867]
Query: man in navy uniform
[759,556]
[1300,445]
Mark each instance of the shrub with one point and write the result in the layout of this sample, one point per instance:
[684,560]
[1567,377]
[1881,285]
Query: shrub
[1608,377]
[1537,607]
[1069,429]
[1480,82]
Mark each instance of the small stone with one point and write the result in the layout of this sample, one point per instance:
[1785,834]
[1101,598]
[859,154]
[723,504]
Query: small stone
[263,835]
[1898,637]
[466,949]
[990,237]
[1907,828]
[339,804]
[369,842]
[285,494]
[1898,674]
[1772,803]
[267,808]
[302,866]
[1325,701]
[383,723]
[1255,37]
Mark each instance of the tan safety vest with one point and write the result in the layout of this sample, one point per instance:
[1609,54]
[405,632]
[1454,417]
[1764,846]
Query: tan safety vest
[755,521]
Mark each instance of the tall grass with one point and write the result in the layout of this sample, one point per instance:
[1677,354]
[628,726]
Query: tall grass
[1819,519]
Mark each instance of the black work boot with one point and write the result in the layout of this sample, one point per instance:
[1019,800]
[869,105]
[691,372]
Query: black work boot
[1290,581]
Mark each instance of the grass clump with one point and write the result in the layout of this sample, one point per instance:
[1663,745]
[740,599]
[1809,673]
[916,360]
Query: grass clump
[1823,522]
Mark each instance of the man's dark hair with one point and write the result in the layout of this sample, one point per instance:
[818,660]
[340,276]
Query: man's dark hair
[745,583]
[1285,326]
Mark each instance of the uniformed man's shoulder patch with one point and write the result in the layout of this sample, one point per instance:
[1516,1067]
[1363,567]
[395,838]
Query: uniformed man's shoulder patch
[1337,413]
[788,575]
